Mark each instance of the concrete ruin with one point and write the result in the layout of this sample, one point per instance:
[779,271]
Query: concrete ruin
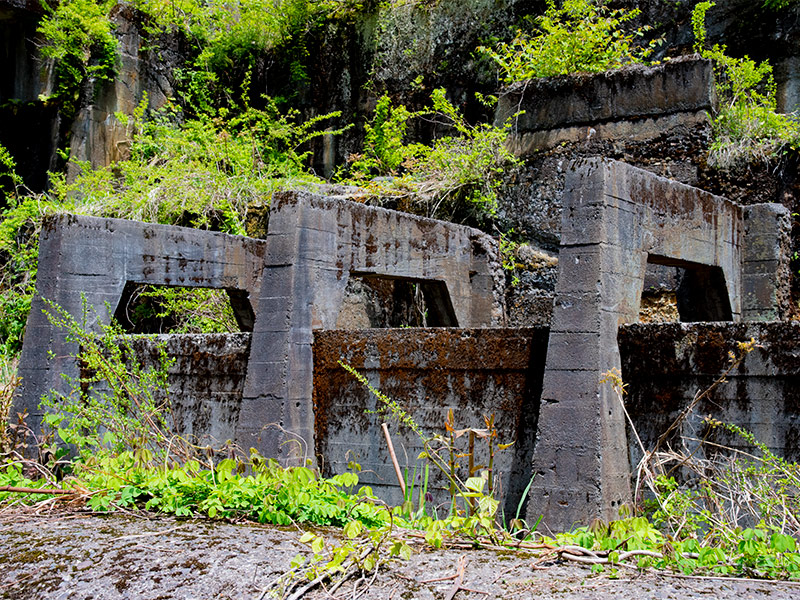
[281,289]
[314,245]
[87,266]
[284,382]
[632,103]
[615,220]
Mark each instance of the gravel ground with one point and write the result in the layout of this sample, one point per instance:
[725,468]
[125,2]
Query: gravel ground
[81,556]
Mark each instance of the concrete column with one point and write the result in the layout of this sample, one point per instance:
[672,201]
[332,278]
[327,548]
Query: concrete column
[766,257]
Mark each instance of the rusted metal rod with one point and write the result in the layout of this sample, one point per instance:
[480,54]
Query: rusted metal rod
[394,459]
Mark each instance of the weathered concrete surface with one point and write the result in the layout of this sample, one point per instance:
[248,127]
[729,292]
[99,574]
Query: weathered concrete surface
[635,102]
[314,245]
[665,365]
[428,372]
[204,381]
[616,218]
[93,258]
[116,557]
[766,263]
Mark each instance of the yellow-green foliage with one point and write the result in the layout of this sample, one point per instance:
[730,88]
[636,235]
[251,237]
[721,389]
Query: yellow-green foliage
[80,40]
[456,176]
[579,36]
[747,126]
[201,173]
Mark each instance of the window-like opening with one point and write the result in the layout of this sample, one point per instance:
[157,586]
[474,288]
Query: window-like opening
[701,293]
[145,308]
[659,302]
[379,302]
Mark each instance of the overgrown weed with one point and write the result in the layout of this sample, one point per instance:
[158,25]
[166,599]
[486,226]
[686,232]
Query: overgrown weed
[576,36]
[747,127]
[456,177]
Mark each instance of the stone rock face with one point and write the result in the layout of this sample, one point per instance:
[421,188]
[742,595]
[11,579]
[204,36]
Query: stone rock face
[97,135]
[390,46]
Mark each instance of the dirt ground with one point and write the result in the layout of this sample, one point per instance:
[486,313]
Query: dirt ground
[83,556]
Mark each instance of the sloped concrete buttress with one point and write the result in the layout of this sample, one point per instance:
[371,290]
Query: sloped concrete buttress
[615,219]
[314,244]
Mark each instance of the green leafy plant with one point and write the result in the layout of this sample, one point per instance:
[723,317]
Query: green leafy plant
[577,36]
[182,310]
[453,178]
[8,385]
[779,4]
[736,517]
[508,256]
[746,127]
[115,402]
[203,172]
[80,40]
[8,173]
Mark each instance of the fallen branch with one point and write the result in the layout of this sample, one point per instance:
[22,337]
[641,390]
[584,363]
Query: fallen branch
[27,490]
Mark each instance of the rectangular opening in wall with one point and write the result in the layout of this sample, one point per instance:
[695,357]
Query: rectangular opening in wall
[701,292]
[380,302]
[145,308]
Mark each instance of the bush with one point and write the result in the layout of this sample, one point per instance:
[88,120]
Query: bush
[581,36]
[203,172]
[746,128]
[78,37]
[456,177]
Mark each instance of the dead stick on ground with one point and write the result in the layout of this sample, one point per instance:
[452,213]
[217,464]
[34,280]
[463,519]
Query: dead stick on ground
[462,565]
[27,490]
[394,459]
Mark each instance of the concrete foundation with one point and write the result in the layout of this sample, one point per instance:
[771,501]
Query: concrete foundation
[314,245]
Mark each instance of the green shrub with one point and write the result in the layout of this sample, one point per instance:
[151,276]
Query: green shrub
[746,127]
[116,403]
[183,310]
[78,37]
[201,173]
[580,36]
[453,178]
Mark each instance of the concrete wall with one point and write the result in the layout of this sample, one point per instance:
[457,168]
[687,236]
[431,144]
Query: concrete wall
[428,372]
[477,372]
[665,365]
[635,102]
[314,245]
[84,266]
[616,219]
[281,288]
[205,381]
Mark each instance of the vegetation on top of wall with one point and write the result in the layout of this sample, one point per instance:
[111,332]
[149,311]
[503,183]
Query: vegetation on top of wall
[201,172]
[453,178]
[747,127]
[579,36]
